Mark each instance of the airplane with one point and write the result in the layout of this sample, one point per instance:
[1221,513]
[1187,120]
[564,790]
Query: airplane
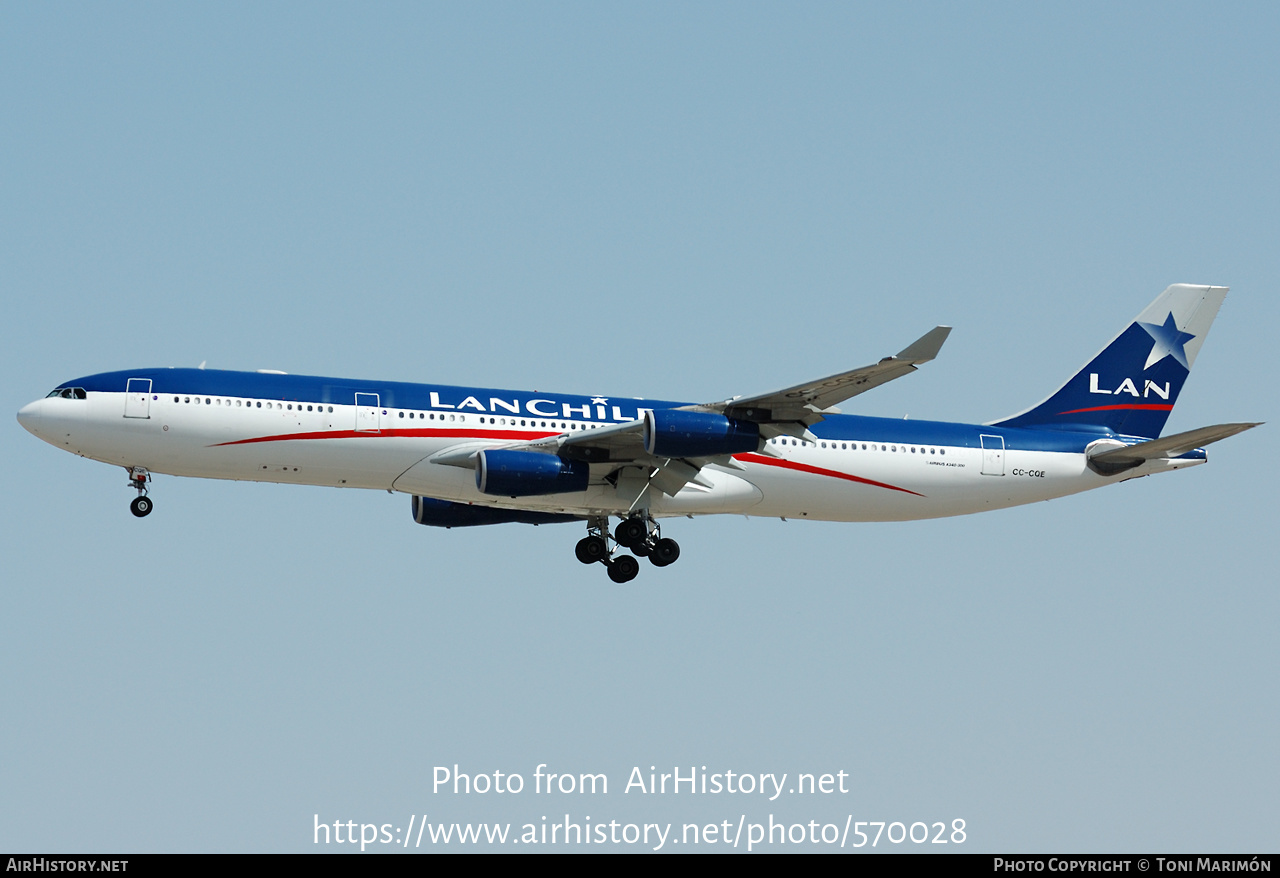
[470,456]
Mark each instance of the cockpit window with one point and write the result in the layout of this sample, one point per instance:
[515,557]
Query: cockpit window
[67,393]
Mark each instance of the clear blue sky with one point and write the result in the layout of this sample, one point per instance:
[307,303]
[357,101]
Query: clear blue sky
[673,200]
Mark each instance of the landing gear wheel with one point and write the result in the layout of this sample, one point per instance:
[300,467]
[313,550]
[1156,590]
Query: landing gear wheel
[631,532]
[623,569]
[665,551]
[138,478]
[591,549]
[643,550]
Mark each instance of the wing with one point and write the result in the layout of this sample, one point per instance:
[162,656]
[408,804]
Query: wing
[618,452]
[806,403]
[615,453]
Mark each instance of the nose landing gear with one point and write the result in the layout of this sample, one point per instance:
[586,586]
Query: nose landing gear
[138,478]
[640,534]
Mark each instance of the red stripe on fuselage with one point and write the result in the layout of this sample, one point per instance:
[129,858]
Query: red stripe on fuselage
[426,433]
[1144,407]
[454,433]
[819,471]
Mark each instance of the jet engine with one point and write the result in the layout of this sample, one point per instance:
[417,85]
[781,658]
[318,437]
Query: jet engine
[673,433]
[445,513]
[504,473]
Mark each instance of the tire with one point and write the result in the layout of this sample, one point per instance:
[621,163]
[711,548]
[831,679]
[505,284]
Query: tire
[631,531]
[623,569]
[590,550]
[141,506]
[665,552]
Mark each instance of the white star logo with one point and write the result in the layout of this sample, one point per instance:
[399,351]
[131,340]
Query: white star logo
[599,400]
[1169,341]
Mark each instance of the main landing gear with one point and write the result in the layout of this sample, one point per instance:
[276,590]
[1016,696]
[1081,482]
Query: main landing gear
[640,534]
[138,478]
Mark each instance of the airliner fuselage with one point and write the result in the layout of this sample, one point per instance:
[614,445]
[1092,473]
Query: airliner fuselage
[479,456]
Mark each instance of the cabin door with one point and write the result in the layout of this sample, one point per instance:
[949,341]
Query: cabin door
[137,398]
[368,417]
[993,455]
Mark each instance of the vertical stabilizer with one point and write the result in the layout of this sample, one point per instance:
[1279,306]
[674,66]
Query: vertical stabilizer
[1132,384]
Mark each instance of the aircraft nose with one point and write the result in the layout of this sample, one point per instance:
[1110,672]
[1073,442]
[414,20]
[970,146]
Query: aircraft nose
[29,417]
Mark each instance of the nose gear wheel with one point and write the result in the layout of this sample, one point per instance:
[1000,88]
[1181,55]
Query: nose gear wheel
[138,478]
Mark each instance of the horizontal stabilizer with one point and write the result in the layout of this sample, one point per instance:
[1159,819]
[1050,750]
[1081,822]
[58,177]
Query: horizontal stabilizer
[1120,459]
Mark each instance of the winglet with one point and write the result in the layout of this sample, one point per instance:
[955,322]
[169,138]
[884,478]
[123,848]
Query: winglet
[926,347]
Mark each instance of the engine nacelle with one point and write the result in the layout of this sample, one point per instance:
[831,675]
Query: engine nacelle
[673,433]
[445,513]
[505,473]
